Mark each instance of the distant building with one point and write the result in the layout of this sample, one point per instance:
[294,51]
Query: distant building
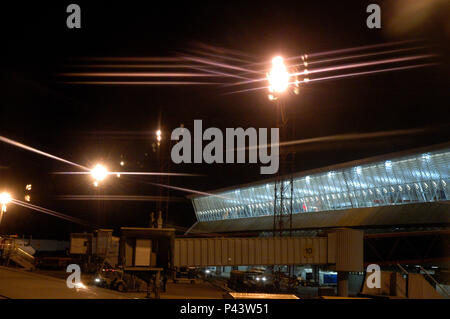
[405,188]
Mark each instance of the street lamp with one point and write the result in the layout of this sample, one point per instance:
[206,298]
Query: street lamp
[281,80]
[99,173]
[5,198]
[278,76]
[158,135]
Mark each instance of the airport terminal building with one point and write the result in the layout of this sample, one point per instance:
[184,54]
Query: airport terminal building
[409,188]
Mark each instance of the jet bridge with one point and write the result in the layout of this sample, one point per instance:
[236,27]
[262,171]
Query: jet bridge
[342,248]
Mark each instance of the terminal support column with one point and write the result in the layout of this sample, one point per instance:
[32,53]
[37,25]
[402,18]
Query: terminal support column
[342,284]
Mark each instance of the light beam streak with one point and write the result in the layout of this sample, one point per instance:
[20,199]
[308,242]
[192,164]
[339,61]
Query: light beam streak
[119,198]
[139,83]
[364,64]
[220,65]
[371,72]
[133,66]
[53,213]
[340,137]
[192,191]
[222,50]
[136,74]
[358,56]
[146,59]
[224,57]
[130,173]
[353,49]
[29,148]
[221,73]
[364,47]
[343,67]
[415,66]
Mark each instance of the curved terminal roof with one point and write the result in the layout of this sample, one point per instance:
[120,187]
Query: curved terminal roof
[416,176]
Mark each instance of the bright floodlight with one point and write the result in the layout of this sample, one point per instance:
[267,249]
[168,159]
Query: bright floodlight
[99,172]
[158,135]
[80,285]
[5,198]
[278,76]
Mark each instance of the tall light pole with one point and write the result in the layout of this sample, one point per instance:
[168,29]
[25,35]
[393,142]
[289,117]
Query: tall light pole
[280,80]
[283,79]
[163,166]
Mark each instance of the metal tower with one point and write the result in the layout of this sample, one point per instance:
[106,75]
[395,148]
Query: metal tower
[283,185]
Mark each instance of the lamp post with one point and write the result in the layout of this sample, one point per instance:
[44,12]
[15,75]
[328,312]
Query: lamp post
[5,199]
[158,136]
[281,80]
[163,167]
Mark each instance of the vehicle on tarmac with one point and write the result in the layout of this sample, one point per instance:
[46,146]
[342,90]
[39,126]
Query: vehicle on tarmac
[258,281]
[183,274]
[112,279]
[247,280]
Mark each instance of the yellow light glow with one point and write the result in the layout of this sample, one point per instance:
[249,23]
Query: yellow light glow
[95,183]
[27,198]
[28,187]
[158,136]
[122,163]
[99,172]
[80,285]
[278,76]
[5,198]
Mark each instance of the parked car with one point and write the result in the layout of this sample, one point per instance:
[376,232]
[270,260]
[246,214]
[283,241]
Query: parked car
[186,274]
[111,278]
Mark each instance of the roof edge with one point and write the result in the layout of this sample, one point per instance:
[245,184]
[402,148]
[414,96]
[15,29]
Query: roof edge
[343,165]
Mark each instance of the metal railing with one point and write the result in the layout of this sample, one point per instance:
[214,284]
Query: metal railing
[10,250]
[435,282]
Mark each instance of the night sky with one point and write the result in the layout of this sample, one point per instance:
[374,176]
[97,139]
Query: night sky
[89,124]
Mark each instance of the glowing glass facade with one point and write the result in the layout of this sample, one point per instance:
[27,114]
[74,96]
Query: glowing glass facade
[416,178]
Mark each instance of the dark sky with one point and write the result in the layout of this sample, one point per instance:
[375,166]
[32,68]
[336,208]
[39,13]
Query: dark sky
[87,124]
